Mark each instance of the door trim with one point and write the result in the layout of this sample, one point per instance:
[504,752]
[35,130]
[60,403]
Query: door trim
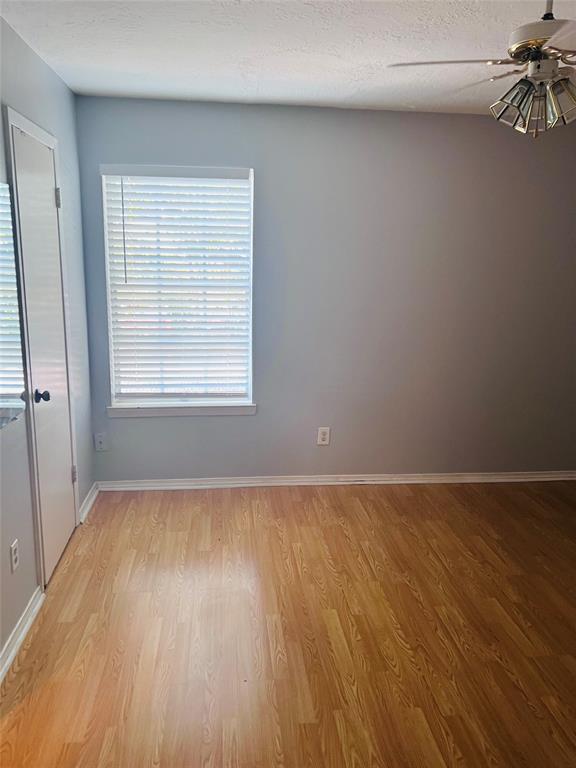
[16,121]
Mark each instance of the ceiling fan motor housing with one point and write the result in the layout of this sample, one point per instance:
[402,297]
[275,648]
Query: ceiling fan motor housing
[543,70]
[528,38]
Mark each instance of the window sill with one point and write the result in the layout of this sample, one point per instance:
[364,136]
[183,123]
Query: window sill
[145,411]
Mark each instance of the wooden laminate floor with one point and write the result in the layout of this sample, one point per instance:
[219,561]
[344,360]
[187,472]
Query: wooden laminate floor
[335,627]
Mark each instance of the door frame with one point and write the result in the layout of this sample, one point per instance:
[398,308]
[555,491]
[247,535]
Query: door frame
[15,121]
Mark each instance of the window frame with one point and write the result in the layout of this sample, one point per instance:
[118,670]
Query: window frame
[226,405]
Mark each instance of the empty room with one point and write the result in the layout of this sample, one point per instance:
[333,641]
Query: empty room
[288,384]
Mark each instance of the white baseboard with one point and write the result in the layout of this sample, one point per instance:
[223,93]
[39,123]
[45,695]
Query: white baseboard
[281,480]
[14,642]
[88,502]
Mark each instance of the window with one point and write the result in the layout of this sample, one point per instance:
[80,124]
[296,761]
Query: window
[11,371]
[179,269]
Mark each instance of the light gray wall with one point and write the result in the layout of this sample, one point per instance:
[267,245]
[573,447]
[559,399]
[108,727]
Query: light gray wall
[414,289]
[28,85]
[34,90]
[16,513]
[16,522]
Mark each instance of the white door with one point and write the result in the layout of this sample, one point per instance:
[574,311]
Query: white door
[34,187]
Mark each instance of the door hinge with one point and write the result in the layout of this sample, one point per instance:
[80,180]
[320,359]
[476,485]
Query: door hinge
[58,196]
[74,473]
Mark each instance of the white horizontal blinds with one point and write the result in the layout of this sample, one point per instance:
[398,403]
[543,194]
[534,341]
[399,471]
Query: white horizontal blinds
[11,372]
[180,284]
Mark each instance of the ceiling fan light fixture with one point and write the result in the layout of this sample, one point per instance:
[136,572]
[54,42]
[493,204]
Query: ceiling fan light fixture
[545,96]
[536,104]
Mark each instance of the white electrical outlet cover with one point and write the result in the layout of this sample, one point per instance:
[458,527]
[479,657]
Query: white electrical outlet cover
[100,441]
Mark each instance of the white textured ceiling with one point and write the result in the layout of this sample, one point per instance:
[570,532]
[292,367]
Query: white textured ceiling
[329,53]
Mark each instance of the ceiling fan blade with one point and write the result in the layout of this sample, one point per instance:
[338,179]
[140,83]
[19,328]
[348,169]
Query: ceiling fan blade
[491,79]
[504,74]
[564,39]
[455,61]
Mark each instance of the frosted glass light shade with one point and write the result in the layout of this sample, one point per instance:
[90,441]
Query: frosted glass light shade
[512,108]
[560,102]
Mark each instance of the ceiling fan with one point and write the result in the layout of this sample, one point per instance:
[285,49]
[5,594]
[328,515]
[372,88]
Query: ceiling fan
[545,96]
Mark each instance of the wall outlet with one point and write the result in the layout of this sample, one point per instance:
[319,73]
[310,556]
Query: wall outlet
[101,441]
[14,555]
[323,436]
